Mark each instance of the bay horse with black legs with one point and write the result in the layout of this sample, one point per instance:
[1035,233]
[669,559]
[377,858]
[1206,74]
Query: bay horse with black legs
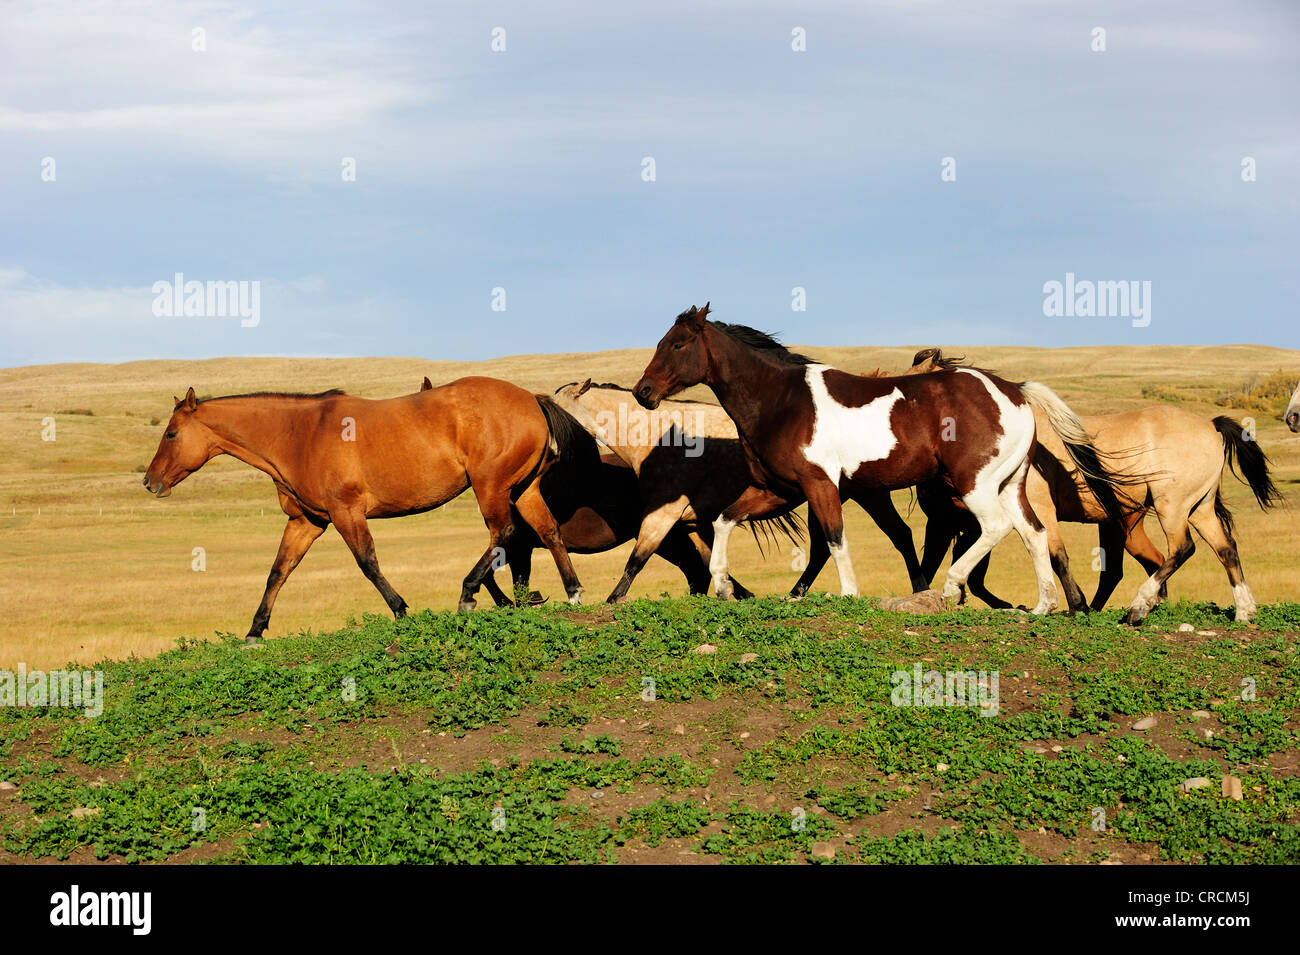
[812,431]
[340,460]
[596,501]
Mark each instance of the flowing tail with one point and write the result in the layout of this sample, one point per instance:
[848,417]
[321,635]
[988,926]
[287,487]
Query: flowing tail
[1078,443]
[1249,462]
[570,442]
[790,524]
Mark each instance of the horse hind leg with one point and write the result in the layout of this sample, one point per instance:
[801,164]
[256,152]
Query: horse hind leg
[1111,546]
[1015,502]
[1216,532]
[532,508]
[975,582]
[1181,547]
[494,505]
[987,509]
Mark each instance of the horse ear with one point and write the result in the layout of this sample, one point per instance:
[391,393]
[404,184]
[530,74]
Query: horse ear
[704,312]
[583,390]
[427,385]
[191,400]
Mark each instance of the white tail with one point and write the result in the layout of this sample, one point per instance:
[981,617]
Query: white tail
[1064,422]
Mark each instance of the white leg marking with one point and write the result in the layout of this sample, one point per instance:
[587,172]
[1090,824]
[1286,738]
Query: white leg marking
[722,529]
[1245,601]
[848,582]
[1148,595]
[1035,540]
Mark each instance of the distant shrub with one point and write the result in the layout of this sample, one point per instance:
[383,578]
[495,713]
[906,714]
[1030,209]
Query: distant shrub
[1162,393]
[81,411]
[154,421]
[1267,395]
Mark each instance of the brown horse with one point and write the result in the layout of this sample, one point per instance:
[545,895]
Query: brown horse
[1168,460]
[689,466]
[340,460]
[811,431]
[596,501]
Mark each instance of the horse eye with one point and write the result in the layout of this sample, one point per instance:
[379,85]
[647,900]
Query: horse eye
[679,346]
[169,435]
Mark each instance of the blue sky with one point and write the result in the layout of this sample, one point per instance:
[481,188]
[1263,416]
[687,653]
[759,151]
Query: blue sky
[522,169]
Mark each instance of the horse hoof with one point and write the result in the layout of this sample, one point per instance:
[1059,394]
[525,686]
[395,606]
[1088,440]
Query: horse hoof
[467,605]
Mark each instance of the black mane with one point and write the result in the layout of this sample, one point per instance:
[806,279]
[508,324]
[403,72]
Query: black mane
[759,341]
[937,356]
[278,394]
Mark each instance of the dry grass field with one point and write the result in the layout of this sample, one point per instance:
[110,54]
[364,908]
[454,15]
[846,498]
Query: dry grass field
[93,567]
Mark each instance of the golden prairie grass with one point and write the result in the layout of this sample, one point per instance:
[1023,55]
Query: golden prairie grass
[92,567]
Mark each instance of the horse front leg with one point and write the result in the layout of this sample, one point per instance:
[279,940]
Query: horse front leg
[356,534]
[299,534]
[655,526]
[824,505]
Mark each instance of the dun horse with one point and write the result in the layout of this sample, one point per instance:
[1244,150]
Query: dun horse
[811,430]
[1292,415]
[344,460]
[1169,461]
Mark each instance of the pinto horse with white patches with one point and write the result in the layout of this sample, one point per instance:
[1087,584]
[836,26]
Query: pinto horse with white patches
[812,431]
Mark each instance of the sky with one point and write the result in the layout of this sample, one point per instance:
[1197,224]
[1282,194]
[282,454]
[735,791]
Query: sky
[918,173]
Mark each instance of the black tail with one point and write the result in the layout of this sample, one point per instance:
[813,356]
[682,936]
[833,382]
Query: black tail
[1100,481]
[1248,461]
[570,442]
[790,524]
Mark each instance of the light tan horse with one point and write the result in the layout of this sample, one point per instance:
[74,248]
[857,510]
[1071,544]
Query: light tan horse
[1167,460]
[344,460]
[1292,415]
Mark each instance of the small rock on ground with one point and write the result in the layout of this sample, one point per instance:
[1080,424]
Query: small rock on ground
[705,648]
[1146,723]
[1232,788]
[748,657]
[7,786]
[927,601]
[1196,782]
[823,850]
[84,812]
[1185,628]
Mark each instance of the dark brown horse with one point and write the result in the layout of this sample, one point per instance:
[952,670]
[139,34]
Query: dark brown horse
[596,501]
[340,460]
[689,466]
[813,432]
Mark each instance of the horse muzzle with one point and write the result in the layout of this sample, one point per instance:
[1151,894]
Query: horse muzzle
[646,396]
[1293,420]
[157,488]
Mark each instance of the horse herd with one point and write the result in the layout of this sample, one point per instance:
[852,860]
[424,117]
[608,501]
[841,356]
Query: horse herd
[985,456]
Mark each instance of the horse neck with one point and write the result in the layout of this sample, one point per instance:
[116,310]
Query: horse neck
[623,407]
[250,429]
[744,380]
